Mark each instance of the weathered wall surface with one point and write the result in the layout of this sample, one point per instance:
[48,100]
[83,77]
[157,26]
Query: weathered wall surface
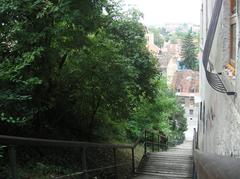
[219,126]
[192,118]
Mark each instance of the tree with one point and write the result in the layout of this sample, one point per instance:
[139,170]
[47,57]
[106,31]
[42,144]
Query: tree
[73,69]
[70,67]
[188,52]
[163,113]
[111,75]
[37,38]
[164,33]
[158,38]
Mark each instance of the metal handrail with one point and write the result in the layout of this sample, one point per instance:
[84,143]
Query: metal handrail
[12,141]
[213,78]
[194,147]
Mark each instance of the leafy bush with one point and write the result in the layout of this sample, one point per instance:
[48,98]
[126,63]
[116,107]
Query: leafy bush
[163,113]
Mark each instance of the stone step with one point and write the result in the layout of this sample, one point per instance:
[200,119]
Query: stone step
[148,175]
[170,159]
[168,167]
[166,163]
[176,163]
[169,156]
[165,172]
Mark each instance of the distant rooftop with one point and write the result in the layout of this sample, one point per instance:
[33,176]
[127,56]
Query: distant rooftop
[186,82]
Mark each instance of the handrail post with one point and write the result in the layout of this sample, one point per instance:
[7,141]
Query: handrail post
[133,161]
[197,139]
[158,142]
[145,142]
[115,162]
[152,142]
[84,163]
[194,138]
[194,173]
[12,162]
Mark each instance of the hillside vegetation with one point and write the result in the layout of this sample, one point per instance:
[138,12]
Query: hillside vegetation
[80,70]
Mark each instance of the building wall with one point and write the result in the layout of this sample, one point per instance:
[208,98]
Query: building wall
[192,117]
[150,44]
[219,124]
[183,83]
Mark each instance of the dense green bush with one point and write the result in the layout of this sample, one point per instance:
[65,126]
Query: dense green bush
[163,113]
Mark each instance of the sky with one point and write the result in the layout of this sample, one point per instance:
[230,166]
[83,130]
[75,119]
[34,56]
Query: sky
[159,12]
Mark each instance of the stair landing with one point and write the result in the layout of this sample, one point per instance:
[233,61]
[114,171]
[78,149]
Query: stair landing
[176,163]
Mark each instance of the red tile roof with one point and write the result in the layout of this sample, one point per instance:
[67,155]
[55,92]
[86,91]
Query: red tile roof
[186,81]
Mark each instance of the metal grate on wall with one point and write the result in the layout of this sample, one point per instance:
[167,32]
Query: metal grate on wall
[213,78]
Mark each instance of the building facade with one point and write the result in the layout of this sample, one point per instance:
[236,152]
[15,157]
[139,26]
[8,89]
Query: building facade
[154,49]
[219,117]
[186,85]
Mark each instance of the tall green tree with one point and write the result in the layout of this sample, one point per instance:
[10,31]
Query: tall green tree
[158,38]
[189,52]
[71,69]
[37,37]
[68,67]
[110,75]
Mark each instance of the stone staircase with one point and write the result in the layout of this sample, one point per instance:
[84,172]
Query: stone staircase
[175,163]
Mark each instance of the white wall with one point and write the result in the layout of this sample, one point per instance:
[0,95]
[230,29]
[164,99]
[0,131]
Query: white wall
[219,128]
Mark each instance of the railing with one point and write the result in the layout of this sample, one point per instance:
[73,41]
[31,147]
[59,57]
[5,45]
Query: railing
[212,166]
[194,147]
[12,142]
[213,78]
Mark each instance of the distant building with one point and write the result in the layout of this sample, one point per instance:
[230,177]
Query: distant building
[173,27]
[186,82]
[173,49]
[155,50]
[186,85]
[171,70]
[169,65]
[164,59]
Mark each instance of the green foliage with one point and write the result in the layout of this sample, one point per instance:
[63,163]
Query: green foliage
[108,76]
[79,70]
[163,113]
[73,69]
[36,39]
[1,151]
[188,52]
[173,38]
[158,37]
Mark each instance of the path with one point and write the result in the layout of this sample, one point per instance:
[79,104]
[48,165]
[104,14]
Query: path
[176,163]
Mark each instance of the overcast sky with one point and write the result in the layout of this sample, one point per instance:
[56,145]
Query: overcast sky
[158,12]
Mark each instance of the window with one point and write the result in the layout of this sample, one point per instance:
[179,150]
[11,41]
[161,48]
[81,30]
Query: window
[182,100]
[204,119]
[190,118]
[197,90]
[200,111]
[191,101]
[191,111]
[179,90]
[192,90]
[233,6]
[233,42]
